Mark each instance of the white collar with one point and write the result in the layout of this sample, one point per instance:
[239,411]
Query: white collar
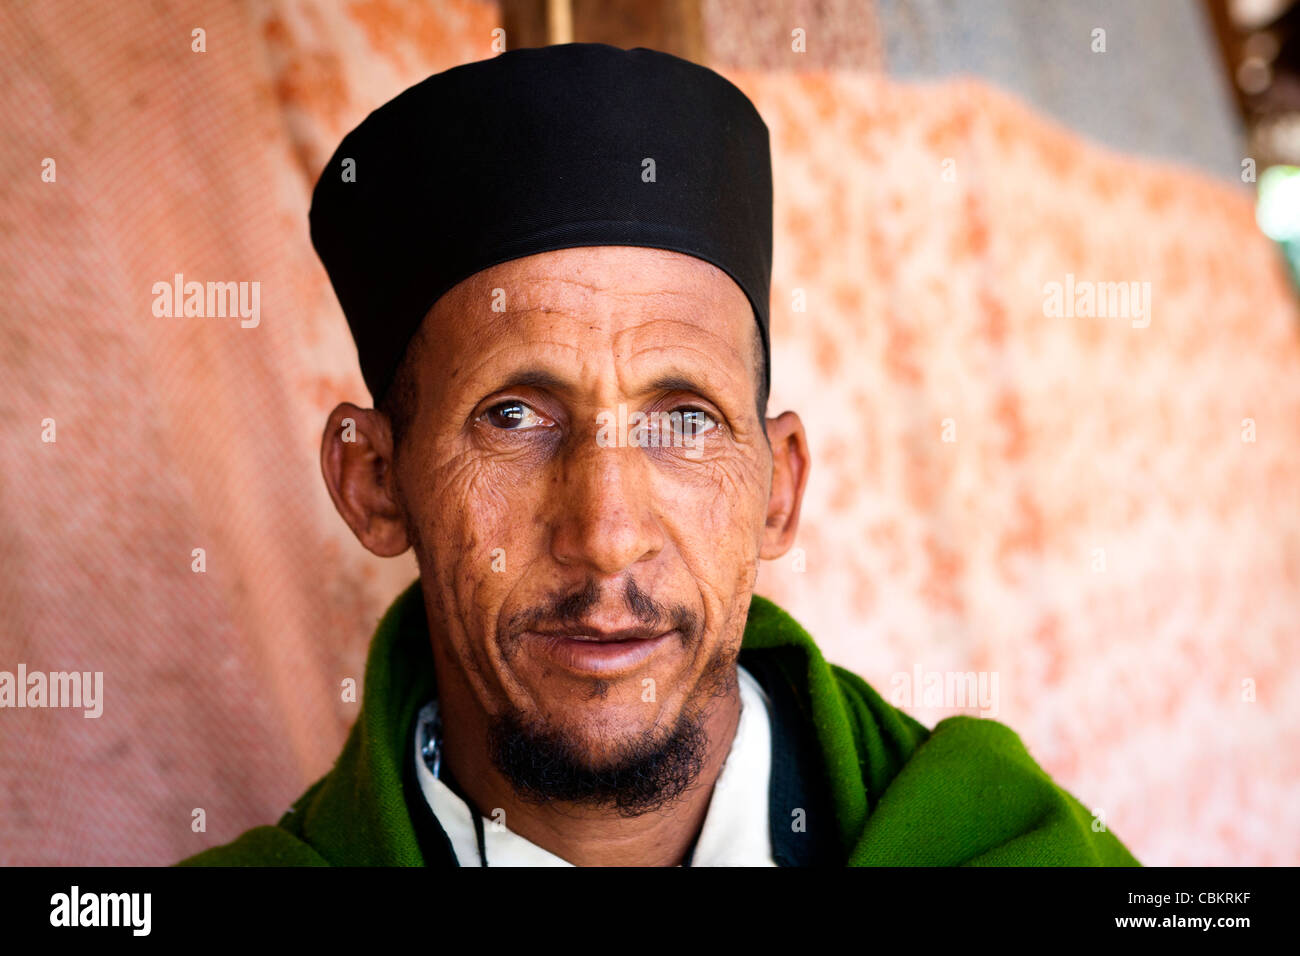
[735,831]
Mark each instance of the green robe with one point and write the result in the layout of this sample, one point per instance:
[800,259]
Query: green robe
[966,792]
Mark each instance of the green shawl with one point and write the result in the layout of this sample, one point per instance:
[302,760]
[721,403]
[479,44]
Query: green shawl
[966,792]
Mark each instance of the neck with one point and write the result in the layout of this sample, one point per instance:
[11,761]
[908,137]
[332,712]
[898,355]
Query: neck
[582,835]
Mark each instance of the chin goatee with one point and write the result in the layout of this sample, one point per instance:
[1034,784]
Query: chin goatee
[644,776]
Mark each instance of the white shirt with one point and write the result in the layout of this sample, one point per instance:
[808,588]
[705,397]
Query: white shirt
[736,827]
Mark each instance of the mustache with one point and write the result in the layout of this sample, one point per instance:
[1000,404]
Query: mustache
[567,609]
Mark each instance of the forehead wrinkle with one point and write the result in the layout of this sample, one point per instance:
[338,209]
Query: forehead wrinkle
[479,287]
[704,376]
[692,324]
[594,311]
[477,370]
[528,309]
[537,291]
[699,288]
[606,307]
[616,286]
[529,277]
[689,343]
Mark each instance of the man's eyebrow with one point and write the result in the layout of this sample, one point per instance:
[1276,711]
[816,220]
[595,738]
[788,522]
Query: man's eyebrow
[534,378]
[676,383]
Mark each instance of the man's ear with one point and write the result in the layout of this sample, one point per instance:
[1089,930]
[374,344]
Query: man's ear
[790,463]
[356,458]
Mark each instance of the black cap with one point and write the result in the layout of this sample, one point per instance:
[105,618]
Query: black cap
[535,150]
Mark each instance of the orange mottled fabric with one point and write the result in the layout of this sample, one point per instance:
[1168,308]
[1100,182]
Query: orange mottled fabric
[1096,532]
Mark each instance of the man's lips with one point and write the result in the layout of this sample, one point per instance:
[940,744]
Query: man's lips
[591,633]
[594,652]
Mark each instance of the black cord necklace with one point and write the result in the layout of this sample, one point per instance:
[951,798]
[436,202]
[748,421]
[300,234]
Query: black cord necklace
[430,737]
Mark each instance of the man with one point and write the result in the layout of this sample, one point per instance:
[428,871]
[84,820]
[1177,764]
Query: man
[555,264]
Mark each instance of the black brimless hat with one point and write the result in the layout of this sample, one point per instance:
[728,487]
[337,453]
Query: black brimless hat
[535,150]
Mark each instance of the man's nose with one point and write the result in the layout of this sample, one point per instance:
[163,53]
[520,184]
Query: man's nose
[605,516]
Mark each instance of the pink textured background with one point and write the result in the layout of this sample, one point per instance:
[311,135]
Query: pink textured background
[924,303]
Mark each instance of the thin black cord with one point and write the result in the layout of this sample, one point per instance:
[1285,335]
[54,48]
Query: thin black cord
[447,778]
[478,832]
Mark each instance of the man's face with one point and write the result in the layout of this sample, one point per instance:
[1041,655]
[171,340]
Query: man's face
[539,538]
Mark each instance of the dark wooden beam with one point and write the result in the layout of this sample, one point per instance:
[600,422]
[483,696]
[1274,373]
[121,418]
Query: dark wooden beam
[1229,42]
[673,26]
[525,23]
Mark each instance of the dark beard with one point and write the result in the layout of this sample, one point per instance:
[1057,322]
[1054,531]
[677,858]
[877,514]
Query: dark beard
[645,775]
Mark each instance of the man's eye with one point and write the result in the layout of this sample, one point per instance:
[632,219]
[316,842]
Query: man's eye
[696,421]
[512,416]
